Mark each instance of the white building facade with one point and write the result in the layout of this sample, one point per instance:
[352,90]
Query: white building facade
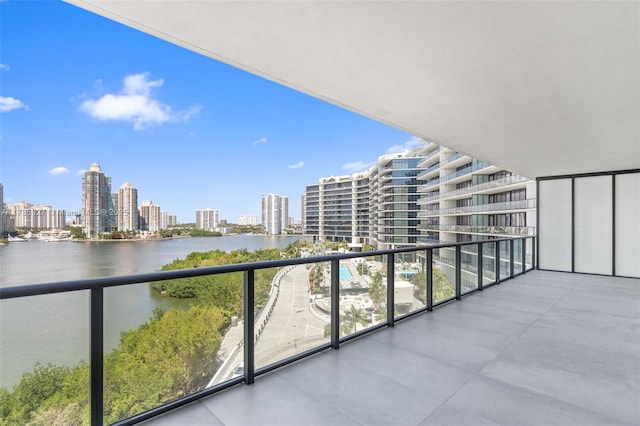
[207,219]
[275,213]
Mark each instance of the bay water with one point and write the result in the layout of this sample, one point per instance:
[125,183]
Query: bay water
[55,328]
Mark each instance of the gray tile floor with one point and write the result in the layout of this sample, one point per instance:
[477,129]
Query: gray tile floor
[545,348]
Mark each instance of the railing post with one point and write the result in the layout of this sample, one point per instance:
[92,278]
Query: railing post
[97,358]
[480,266]
[511,257]
[524,255]
[429,280]
[391,290]
[458,272]
[534,247]
[335,303]
[497,261]
[249,326]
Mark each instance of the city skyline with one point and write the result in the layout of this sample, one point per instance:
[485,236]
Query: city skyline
[187,131]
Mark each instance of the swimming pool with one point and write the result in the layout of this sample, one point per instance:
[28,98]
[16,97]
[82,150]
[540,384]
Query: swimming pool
[345,273]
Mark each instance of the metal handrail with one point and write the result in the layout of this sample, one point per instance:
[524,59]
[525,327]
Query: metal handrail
[96,287]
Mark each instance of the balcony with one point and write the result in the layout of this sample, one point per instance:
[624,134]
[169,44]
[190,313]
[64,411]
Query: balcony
[545,348]
[453,158]
[321,319]
[480,188]
[549,347]
[483,208]
[427,173]
[427,159]
[475,167]
[487,230]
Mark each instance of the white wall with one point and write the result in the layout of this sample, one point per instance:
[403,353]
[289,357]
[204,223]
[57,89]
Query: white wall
[593,224]
[627,217]
[554,225]
[580,235]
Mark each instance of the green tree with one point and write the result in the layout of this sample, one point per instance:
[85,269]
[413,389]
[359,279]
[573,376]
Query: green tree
[350,320]
[377,290]
[442,288]
[76,232]
[362,269]
[33,390]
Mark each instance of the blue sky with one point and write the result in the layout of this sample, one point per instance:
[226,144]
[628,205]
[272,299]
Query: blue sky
[187,131]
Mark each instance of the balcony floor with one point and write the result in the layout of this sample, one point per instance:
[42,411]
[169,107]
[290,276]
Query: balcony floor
[545,348]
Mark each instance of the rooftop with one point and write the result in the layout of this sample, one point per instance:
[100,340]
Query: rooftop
[544,348]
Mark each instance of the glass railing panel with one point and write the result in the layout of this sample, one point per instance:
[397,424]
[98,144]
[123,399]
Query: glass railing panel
[363,293]
[517,257]
[469,268]
[529,253]
[190,339]
[410,283]
[444,276]
[293,315]
[488,263]
[505,262]
[374,271]
[44,371]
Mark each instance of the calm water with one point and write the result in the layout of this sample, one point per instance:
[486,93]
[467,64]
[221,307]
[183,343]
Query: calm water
[55,328]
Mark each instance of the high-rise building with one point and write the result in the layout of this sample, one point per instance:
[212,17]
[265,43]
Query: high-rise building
[250,220]
[465,199]
[1,210]
[127,208]
[149,217]
[207,219]
[164,220]
[393,208]
[97,202]
[41,216]
[426,195]
[172,220]
[311,211]
[284,213]
[275,212]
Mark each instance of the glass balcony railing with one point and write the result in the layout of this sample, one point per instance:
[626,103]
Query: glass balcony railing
[422,175]
[451,159]
[482,208]
[430,155]
[253,318]
[475,167]
[475,188]
[491,230]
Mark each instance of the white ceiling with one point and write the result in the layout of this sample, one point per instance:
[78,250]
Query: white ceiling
[539,88]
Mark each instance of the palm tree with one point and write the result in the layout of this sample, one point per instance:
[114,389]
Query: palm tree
[351,319]
[377,290]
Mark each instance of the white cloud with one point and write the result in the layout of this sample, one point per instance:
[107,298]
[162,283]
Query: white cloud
[59,171]
[298,165]
[4,67]
[356,166]
[80,172]
[262,140]
[9,104]
[408,145]
[135,104]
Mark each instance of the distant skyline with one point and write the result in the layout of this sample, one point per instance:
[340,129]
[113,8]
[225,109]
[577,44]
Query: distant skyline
[187,131]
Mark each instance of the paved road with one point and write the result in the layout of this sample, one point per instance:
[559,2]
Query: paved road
[292,328]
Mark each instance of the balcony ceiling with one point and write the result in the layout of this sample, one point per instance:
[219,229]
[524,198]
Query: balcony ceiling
[539,88]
